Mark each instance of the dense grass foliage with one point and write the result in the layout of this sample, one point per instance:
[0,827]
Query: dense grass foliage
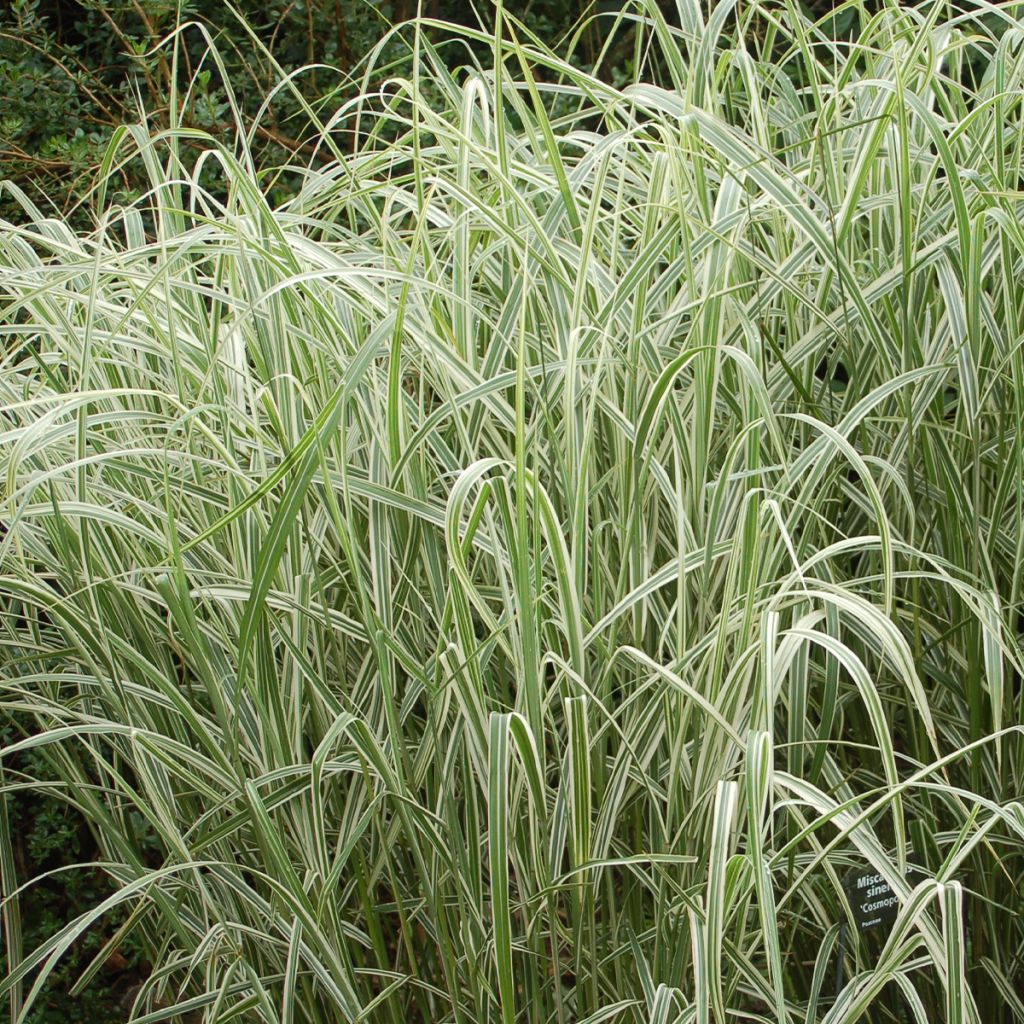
[517,577]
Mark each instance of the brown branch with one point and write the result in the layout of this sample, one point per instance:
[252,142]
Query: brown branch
[286,141]
[129,50]
[15,151]
[344,51]
[151,29]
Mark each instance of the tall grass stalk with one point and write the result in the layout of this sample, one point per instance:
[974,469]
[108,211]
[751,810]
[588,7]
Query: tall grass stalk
[517,578]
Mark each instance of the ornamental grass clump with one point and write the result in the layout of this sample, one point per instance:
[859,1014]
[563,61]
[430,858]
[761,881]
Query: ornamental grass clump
[521,576]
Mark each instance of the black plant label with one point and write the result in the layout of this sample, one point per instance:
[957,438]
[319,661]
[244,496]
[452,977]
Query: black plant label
[872,900]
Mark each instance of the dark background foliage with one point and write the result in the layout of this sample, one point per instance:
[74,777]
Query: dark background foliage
[72,70]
